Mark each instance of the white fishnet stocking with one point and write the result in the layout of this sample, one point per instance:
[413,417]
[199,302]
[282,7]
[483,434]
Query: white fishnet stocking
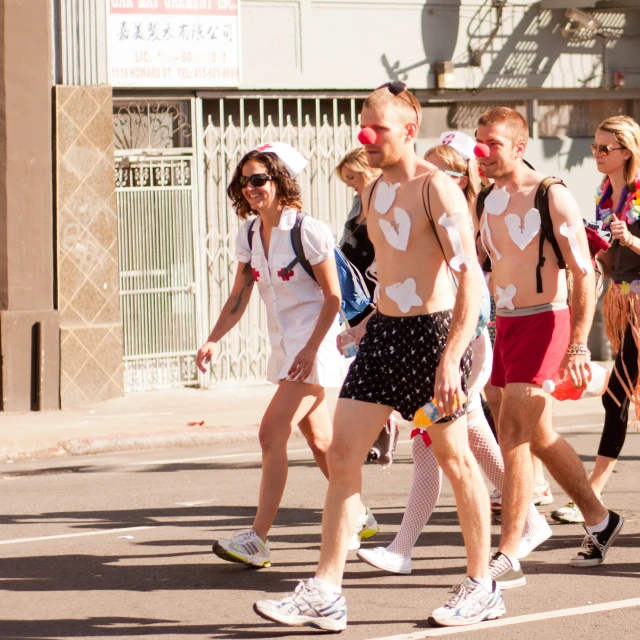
[425,490]
[487,452]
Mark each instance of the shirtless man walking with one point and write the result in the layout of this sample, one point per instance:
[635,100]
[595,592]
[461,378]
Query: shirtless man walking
[536,334]
[416,347]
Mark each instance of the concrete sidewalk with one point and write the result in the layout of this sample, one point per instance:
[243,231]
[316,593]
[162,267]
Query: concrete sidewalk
[162,419]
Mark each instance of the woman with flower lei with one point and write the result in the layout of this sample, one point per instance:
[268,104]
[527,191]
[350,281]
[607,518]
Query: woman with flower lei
[617,153]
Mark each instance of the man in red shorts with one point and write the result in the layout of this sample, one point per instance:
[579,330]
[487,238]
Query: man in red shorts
[537,334]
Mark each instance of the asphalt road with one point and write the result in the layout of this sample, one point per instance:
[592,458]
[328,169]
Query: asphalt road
[119,546]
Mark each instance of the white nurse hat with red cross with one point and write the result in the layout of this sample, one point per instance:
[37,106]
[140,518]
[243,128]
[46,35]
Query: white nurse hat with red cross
[459,141]
[292,159]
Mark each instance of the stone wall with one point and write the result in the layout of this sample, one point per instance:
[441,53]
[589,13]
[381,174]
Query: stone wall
[88,274]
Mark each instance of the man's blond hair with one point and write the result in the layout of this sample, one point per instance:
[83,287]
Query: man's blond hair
[404,103]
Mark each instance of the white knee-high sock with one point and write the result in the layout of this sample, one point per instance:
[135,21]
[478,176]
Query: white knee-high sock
[487,452]
[425,490]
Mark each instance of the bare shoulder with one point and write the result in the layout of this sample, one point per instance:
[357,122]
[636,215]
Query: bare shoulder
[561,200]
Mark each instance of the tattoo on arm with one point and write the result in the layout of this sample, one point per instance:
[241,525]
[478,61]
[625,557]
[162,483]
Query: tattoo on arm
[236,306]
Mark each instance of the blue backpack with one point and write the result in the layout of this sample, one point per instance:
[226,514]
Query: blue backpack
[355,294]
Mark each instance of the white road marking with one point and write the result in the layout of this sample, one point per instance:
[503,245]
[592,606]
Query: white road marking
[226,456]
[506,622]
[75,535]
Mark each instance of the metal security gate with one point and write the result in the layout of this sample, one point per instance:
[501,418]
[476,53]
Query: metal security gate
[322,130]
[156,191]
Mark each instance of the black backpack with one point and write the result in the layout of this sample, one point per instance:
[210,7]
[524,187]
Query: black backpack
[546,226]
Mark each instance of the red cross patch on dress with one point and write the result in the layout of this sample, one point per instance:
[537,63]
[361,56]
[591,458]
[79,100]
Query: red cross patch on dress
[285,275]
[256,274]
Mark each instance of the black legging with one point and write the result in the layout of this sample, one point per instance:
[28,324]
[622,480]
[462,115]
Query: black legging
[615,419]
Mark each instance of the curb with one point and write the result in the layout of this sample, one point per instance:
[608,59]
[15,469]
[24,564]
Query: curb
[140,442]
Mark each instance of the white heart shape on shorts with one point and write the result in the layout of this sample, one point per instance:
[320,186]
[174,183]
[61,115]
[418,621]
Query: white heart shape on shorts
[404,295]
[398,237]
[523,235]
[497,200]
[385,196]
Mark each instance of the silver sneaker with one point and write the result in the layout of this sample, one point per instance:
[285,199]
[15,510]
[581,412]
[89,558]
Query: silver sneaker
[366,527]
[569,514]
[245,547]
[305,607]
[471,603]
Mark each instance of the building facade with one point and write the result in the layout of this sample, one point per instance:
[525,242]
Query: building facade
[119,239]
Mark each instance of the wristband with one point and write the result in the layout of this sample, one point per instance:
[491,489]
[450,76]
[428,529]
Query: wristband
[578,350]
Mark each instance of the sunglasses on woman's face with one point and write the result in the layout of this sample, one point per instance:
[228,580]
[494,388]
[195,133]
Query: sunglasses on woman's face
[257,180]
[396,88]
[603,149]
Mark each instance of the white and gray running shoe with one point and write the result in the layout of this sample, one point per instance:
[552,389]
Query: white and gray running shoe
[245,547]
[305,607]
[366,527]
[569,514]
[471,603]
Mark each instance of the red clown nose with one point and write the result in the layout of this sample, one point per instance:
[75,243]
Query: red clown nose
[481,150]
[367,136]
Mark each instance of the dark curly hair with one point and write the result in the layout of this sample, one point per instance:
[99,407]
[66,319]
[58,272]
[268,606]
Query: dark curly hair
[287,189]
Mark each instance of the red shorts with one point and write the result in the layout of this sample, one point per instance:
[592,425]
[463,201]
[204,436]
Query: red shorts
[530,349]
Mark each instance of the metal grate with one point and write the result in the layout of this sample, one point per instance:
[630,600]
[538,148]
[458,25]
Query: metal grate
[157,272]
[322,130]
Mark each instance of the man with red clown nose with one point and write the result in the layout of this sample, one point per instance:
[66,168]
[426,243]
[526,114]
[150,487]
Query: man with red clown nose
[413,353]
[531,228]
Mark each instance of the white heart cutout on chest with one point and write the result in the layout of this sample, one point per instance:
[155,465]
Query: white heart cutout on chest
[523,231]
[385,196]
[398,237]
[497,200]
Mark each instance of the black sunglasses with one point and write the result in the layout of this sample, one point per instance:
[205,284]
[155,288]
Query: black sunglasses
[603,149]
[397,88]
[257,180]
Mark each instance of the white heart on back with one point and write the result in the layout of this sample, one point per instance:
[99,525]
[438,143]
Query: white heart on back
[397,238]
[523,235]
[385,196]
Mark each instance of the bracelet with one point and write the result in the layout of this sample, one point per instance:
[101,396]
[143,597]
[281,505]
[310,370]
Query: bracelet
[630,242]
[578,350]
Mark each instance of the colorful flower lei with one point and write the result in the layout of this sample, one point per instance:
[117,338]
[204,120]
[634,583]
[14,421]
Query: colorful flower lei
[629,212]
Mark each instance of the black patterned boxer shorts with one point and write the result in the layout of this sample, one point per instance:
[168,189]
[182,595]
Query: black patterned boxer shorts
[397,360]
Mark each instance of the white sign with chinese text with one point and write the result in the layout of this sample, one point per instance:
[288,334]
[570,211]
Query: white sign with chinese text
[173,43]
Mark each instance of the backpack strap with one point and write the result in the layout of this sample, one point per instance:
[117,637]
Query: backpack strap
[546,231]
[373,188]
[427,209]
[250,235]
[482,196]
[298,249]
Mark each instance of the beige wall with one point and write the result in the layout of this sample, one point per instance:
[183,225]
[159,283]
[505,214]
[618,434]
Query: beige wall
[88,275]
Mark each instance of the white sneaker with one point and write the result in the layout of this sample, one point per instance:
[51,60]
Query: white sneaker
[527,545]
[470,604]
[366,527]
[569,514]
[305,607]
[542,494]
[386,560]
[245,547]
